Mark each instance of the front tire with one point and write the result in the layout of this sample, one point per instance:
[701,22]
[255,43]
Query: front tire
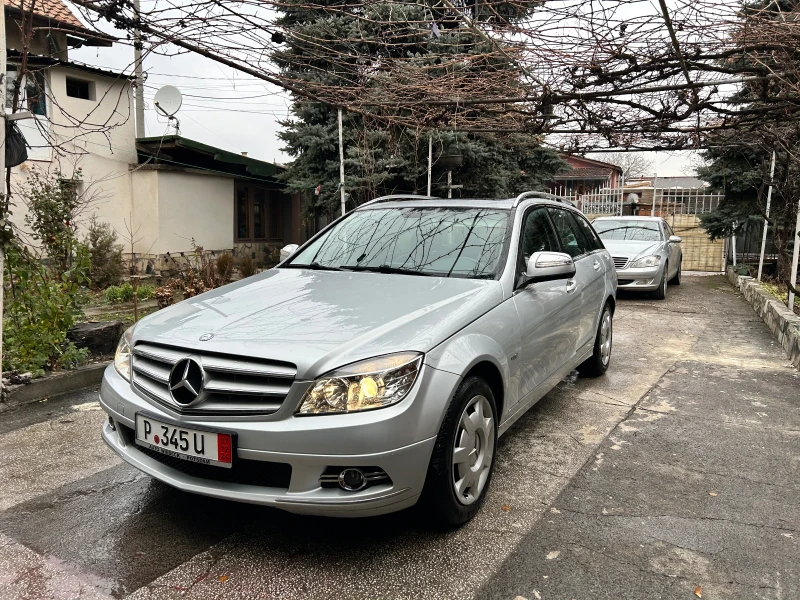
[598,362]
[463,458]
[661,292]
[677,279]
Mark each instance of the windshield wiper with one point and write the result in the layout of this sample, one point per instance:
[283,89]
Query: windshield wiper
[386,269]
[314,266]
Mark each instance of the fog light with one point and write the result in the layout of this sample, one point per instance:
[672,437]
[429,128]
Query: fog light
[352,480]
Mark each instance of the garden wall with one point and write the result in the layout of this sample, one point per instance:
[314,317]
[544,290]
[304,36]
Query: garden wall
[781,321]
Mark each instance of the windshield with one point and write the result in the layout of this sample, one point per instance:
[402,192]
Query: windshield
[447,242]
[626,229]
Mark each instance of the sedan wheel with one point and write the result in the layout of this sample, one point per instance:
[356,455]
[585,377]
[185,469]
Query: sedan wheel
[605,338]
[661,292]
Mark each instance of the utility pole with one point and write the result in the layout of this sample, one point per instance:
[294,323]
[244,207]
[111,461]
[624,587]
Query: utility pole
[795,256]
[341,162]
[3,199]
[430,160]
[137,59]
[766,217]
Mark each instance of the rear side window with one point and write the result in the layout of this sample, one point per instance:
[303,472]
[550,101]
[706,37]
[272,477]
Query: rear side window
[537,234]
[589,232]
[573,240]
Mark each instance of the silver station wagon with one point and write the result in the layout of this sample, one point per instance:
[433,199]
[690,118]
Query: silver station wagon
[373,368]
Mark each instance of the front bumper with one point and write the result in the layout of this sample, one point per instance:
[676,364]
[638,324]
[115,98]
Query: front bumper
[398,439]
[645,280]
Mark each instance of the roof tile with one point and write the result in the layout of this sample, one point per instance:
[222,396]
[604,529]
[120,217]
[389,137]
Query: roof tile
[50,9]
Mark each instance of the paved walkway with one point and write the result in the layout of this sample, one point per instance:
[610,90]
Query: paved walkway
[696,492]
[677,469]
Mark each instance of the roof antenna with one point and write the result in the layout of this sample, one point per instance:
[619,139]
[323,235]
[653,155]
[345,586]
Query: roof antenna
[168,101]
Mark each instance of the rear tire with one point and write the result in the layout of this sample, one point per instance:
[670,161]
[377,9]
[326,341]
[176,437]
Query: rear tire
[677,279]
[462,461]
[661,292]
[598,363]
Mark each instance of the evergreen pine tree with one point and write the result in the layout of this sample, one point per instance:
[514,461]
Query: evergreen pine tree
[381,158]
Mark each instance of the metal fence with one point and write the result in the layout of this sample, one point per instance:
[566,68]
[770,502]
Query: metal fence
[684,201]
[680,207]
[600,201]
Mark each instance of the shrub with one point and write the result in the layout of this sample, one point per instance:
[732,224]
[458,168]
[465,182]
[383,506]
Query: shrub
[165,295]
[40,307]
[106,253]
[53,203]
[145,292]
[247,267]
[118,293]
[224,267]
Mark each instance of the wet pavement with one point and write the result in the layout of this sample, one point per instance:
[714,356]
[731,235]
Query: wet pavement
[604,489]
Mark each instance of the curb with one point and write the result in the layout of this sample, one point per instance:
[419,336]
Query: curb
[783,323]
[53,385]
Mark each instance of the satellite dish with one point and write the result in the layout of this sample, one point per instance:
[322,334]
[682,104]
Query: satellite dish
[168,100]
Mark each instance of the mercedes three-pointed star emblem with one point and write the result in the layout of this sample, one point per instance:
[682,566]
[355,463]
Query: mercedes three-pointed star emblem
[186,381]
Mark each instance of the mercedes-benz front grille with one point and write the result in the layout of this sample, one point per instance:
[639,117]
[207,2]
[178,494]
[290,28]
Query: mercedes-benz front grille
[233,385]
[620,262]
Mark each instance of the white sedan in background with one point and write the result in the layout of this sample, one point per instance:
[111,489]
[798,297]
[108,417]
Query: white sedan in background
[647,253]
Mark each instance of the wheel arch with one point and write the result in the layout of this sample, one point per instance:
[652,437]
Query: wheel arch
[490,373]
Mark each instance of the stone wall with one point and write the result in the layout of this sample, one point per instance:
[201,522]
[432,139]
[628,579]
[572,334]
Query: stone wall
[781,321]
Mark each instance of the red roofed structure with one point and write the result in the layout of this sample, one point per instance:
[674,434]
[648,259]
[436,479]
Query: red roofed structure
[50,16]
[586,175]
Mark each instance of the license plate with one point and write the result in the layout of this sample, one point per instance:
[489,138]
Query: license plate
[195,445]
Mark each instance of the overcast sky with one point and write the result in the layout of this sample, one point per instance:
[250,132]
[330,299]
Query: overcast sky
[228,109]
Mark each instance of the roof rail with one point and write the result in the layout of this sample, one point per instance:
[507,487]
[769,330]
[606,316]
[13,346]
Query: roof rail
[399,197]
[543,195]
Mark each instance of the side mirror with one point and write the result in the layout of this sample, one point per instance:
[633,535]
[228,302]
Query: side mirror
[288,250]
[675,239]
[547,266]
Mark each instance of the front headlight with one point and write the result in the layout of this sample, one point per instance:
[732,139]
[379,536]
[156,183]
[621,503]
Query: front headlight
[122,358]
[373,383]
[647,261]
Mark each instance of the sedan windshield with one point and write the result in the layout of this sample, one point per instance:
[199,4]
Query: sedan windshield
[445,242]
[628,229]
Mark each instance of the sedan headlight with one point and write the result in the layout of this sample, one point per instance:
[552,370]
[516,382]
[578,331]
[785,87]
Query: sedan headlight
[373,383]
[122,358]
[647,261]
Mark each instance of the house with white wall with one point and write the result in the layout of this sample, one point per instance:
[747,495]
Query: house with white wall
[169,192]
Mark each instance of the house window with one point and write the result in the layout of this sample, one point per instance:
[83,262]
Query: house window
[257,214]
[35,94]
[32,91]
[77,88]
[275,229]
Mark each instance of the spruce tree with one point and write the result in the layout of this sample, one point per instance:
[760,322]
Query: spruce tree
[384,158]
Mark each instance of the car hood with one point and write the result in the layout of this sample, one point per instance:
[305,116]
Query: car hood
[631,248]
[320,320]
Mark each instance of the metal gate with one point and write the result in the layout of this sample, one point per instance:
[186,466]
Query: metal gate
[681,208]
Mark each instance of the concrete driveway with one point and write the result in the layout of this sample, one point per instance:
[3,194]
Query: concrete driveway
[677,472]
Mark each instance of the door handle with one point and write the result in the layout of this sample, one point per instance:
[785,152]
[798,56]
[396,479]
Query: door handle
[596,265]
[572,285]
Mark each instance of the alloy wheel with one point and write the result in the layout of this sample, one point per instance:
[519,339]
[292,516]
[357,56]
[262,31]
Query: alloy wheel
[474,450]
[605,338]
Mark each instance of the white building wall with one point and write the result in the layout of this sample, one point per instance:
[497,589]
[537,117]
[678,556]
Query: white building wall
[144,213]
[194,205]
[96,137]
